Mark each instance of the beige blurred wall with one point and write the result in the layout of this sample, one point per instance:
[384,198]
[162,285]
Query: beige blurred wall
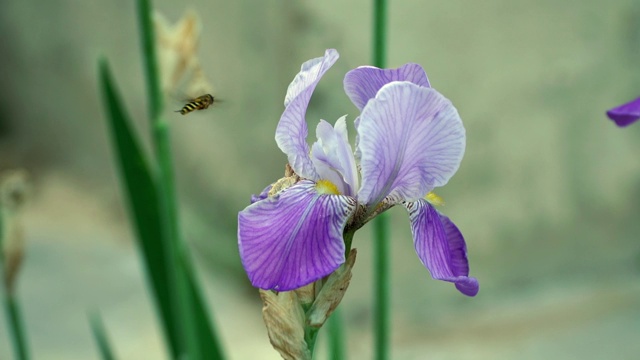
[547,195]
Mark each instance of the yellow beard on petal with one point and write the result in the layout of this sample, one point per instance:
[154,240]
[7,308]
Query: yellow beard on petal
[434,199]
[326,187]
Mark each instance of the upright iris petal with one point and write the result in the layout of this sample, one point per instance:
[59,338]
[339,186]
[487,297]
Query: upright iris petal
[333,157]
[293,238]
[363,83]
[625,114]
[411,140]
[291,133]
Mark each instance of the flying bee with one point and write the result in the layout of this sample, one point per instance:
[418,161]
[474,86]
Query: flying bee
[199,103]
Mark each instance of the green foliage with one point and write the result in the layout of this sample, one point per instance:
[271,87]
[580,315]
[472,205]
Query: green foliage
[99,333]
[11,306]
[381,223]
[140,191]
[182,310]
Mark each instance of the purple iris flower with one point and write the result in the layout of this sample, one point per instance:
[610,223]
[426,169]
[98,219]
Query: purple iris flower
[410,139]
[625,114]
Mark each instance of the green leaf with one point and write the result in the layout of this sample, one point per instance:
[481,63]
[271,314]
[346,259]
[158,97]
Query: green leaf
[208,340]
[145,208]
[97,328]
[16,327]
[141,195]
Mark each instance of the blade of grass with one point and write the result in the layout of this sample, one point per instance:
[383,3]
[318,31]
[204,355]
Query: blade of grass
[141,194]
[208,340]
[100,335]
[181,301]
[197,334]
[380,223]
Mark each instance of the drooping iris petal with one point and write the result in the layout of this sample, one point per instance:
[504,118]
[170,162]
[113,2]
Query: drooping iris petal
[363,83]
[440,246]
[333,157]
[625,114]
[291,133]
[293,238]
[411,140]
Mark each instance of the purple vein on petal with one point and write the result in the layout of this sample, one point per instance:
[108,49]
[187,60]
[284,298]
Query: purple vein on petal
[363,83]
[291,133]
[440,246]
[294,238]
[411,139]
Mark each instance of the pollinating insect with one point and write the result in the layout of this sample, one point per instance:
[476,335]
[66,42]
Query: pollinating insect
[199,103]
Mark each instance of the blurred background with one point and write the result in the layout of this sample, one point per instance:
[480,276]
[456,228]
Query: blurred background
[547,195]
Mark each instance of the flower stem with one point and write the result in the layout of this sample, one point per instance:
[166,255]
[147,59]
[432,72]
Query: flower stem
[336,335]
[180,301]
[380,33]
[11,306]
[381,284]
[14,317]
[310,336]
[100,335]
[380,223]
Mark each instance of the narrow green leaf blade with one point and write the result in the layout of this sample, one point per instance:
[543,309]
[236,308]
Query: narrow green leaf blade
[16,328]
[100,335]
[209,341]
[141,194]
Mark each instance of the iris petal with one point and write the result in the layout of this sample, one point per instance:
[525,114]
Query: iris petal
[333,157]
[291,133]
[625,114]
[411,139]
[363,83]
[263,195]
[440,246]
[293,238]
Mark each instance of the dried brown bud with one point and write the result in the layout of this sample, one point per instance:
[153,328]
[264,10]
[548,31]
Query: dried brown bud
[14,190]
[13,255]
[307,294]
[14,193]
[177,54]
[331,293]
[284,317]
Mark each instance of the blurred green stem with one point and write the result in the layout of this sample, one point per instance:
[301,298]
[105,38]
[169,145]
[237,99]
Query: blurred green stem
[100,336]
[179,283]
[15,327]
[150,60]
[380,33]
[381,284]
[310,336]
[380,223]
[336,336]
[11,306]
